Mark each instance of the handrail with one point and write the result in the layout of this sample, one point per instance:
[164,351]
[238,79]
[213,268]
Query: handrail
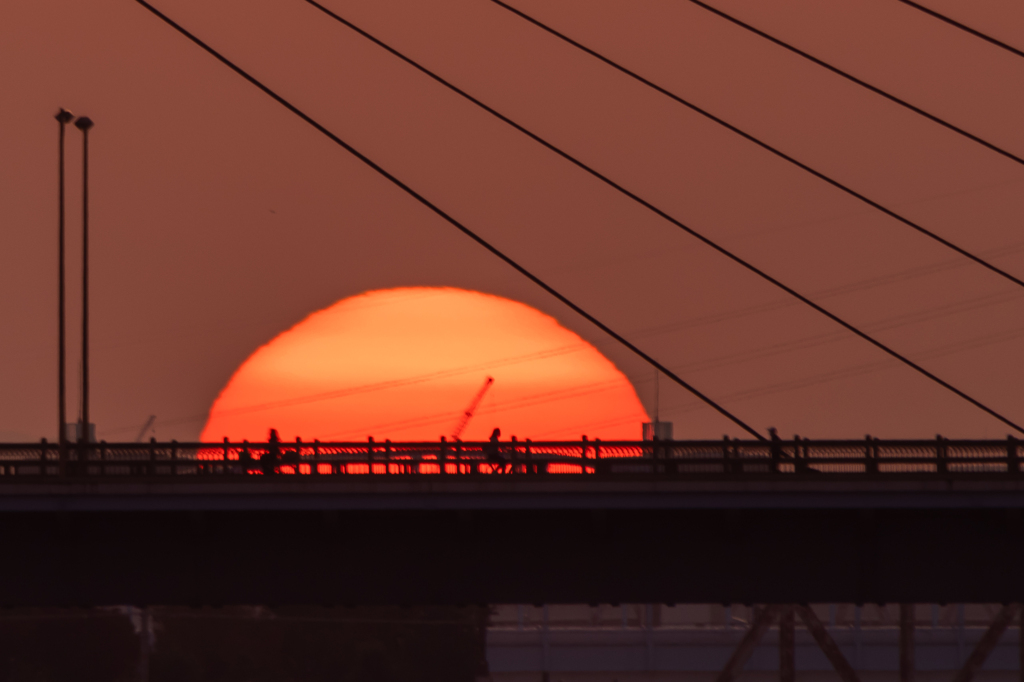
[728,458]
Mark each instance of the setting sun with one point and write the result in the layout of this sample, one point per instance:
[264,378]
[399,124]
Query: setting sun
[406,364]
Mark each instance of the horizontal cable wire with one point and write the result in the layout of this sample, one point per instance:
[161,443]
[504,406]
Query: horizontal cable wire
[854,371]
[764,145]
[462,228]
[646,204]
[963,27]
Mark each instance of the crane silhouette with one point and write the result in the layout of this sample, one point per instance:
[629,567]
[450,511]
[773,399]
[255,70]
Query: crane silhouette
[468,414]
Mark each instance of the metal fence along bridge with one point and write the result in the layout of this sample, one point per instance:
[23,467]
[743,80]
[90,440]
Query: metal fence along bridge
[681,460]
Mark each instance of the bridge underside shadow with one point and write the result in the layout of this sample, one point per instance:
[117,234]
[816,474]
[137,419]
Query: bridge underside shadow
[342,557]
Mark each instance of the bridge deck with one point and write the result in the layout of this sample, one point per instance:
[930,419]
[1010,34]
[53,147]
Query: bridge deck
[774,526]
[496,492]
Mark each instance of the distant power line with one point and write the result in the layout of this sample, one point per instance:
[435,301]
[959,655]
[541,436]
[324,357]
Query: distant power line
[401,383]
[465,230]
[666,216]
[816,340]
[728,360]
[841,290]
[462,228]
[963,27]
[761,143]
[800,383]
[337,394]
[530,400]
[648,332]
[856,370]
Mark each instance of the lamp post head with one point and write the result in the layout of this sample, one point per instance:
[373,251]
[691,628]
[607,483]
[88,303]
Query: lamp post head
[64,116]
[83,123]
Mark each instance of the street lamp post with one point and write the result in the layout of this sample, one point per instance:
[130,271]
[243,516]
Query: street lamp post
[84,123]
[63,118]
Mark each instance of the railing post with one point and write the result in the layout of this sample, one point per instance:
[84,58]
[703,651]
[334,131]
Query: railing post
[225,469]
[103,457]
[245,457]
[316,456]
[775,451]
[42,458]
[151,469]
[62,453]
[1012,456]
[81,459]
[369,454]
[799,458]
[941,466]
[174,457]
[442,455]
[870,456]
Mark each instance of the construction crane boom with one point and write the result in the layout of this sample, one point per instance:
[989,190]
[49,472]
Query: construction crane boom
[468,414]
[145,428]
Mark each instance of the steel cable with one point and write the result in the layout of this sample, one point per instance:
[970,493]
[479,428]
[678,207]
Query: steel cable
[458,225]
[722,250]
[764,145]
[853,79]
[963,27]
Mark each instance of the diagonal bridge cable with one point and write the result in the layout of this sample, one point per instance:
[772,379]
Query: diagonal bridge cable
[458,225]
[764,145]
[662,214]
[853,79]
[963,27]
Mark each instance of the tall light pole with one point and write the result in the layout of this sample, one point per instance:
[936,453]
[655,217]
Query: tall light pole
[84,123]
[63,118]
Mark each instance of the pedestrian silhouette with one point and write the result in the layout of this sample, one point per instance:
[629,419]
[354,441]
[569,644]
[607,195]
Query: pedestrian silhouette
[293,457]
[245,457]
[268,462]
[493,452]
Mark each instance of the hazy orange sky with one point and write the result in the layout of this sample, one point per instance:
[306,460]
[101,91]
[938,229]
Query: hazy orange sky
[220,220]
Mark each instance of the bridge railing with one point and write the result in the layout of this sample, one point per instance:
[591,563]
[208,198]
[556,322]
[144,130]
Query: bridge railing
[675,459]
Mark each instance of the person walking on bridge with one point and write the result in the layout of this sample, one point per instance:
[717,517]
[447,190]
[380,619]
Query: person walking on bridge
[269,459]
[493,452]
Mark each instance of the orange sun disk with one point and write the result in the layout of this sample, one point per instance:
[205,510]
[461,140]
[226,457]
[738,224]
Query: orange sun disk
[406,363]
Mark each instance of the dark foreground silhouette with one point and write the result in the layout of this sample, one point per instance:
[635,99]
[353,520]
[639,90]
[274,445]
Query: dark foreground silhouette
[243,644]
